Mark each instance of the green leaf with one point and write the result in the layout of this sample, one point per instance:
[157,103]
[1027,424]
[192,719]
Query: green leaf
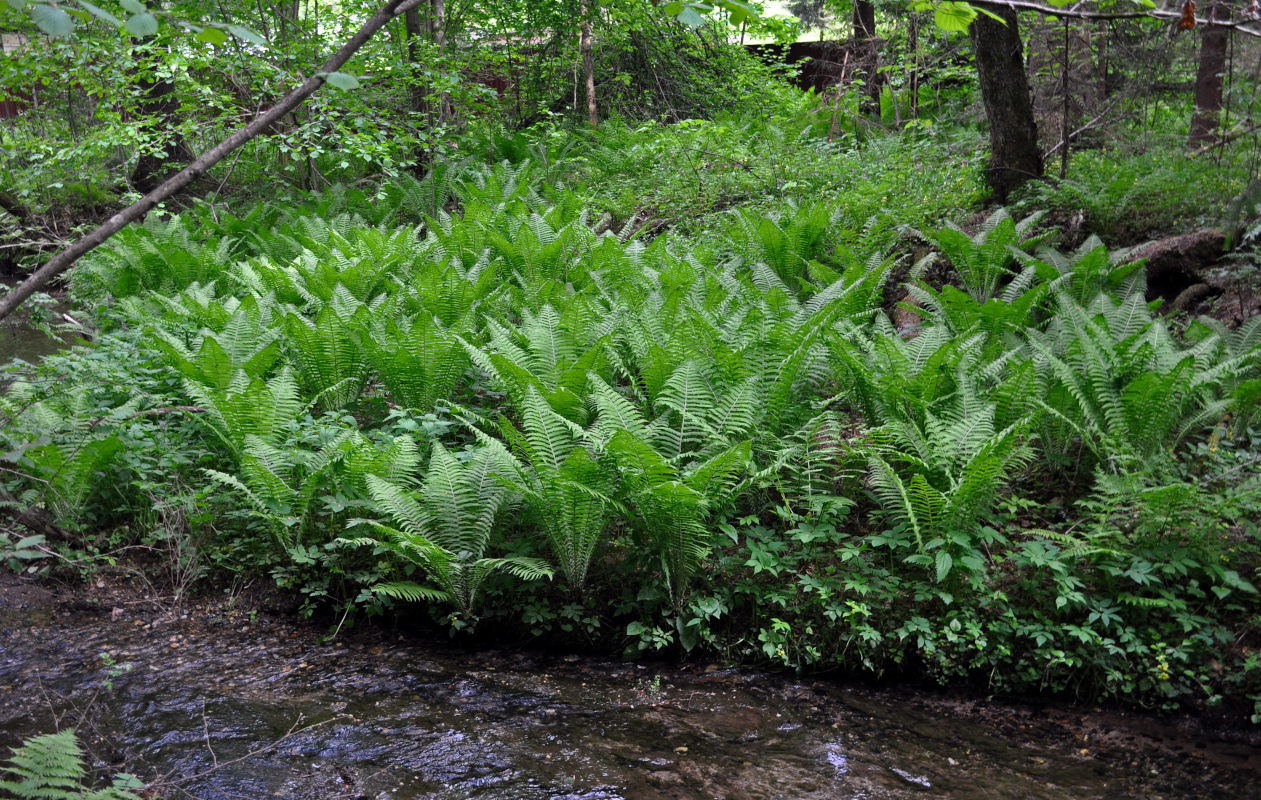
[52,21]
[212,35]
[133,6]
[944,565]
[738,11]
[17,5]
[101,13]
[247,35]
[142,25]
[689,16]
[953,16]
[341,80]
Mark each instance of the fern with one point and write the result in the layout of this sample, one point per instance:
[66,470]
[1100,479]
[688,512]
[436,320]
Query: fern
[446,530]
[50,767]
[984,260]
[568,488]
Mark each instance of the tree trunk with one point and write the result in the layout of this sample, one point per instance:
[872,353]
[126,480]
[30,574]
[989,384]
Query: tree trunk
[1214,42]
[867,53]
[588,60]
[160,110]
[417,29]
[438,35]
[1014,155]
[864,19]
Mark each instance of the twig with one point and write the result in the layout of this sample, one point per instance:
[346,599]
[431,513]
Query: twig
[256,752]
[66,258]
[205,729]
[1226,139]
[1087,126]
[33,519]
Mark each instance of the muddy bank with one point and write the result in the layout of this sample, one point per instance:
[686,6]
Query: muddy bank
[213,702]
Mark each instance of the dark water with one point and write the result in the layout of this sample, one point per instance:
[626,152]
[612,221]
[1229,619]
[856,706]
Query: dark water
[20,340]
[216,706]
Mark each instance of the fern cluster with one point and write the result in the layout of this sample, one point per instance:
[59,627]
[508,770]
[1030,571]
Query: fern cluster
[582,396]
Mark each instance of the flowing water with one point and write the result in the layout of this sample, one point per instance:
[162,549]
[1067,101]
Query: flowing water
[224,706]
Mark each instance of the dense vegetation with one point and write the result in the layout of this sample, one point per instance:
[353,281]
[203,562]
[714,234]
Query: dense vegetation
[762,385]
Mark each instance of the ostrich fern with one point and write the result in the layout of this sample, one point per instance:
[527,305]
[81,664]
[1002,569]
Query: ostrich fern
[445,530]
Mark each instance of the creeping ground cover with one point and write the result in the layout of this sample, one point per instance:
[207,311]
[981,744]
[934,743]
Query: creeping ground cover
[778,409]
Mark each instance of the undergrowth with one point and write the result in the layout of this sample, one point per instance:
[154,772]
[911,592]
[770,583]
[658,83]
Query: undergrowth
[628,406]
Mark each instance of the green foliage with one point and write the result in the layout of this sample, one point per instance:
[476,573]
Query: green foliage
[714,422]
[982,261]
[50,767]
[446,530]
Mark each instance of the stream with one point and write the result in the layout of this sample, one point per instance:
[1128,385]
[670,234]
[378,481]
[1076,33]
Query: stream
[222,704]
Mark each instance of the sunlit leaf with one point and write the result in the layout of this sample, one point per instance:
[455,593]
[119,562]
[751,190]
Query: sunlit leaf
[953,16]
[101,13]
[738,11]
[133,6]
[212,35]
[52,21]
[142,25]
[247,35]
[689,16]
[341,80]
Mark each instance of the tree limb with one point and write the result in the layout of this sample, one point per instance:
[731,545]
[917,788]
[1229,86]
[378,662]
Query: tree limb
[1251,27]
[66,258]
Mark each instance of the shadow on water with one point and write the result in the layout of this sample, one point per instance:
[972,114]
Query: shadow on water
[232,708]
[19,339]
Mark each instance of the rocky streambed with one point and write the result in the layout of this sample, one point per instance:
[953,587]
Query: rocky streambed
[209,702]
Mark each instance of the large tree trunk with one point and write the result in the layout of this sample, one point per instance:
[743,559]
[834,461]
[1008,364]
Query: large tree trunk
[159,107]
[1014,155]
[588,60]
[1214,42]
[864,19]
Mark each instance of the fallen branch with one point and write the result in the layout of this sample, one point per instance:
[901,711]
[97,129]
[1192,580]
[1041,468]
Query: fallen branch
[1226,138]
[66,258]
[35,520]
[1250,26]
[1085,127]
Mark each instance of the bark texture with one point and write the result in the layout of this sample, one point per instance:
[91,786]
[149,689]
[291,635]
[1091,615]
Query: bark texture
[1014,155]
[864,19]
[1214,43]
[588,61]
